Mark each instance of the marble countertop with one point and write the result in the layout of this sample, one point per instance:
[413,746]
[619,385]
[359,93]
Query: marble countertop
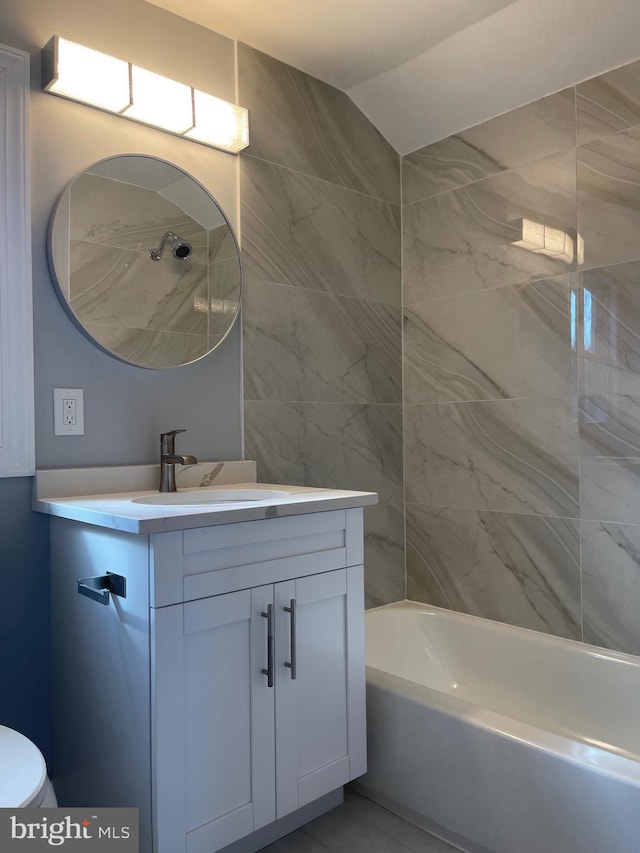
[117,511]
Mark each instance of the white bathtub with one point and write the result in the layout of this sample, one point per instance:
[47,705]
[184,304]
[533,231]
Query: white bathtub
[499,739]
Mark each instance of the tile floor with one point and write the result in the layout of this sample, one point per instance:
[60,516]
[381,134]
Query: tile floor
[359,826]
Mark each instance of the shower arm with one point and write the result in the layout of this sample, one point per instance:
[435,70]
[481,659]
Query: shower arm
[156,254]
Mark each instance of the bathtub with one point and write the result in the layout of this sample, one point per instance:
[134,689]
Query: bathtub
[499,739]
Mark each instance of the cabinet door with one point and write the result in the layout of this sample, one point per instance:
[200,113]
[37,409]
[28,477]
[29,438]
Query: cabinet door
[320,715]
[214,722]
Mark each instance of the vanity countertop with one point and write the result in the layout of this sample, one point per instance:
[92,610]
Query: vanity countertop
[119,512]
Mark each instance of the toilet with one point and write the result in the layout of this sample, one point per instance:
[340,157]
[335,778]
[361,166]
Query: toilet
[23,773]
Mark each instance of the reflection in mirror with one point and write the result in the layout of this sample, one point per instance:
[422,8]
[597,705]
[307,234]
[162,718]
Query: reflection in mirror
[145,261]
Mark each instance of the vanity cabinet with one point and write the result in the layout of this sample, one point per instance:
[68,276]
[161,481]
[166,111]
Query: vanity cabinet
[232,674]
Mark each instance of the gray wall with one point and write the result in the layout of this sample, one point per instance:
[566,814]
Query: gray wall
[125,407]
[320,192]
[522,377]
[24,613]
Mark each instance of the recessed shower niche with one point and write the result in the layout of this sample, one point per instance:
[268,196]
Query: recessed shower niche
[145,261]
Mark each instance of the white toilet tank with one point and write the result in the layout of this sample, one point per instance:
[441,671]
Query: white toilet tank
[23,773]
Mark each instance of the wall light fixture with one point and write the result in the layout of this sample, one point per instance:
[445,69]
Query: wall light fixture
[80,73]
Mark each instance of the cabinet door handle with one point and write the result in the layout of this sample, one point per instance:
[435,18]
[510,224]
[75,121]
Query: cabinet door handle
[292,663]
[269,671]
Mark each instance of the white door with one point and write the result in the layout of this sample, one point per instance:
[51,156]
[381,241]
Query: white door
[214,722]
[320,722]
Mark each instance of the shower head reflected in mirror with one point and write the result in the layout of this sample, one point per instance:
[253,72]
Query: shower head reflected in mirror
[181,249]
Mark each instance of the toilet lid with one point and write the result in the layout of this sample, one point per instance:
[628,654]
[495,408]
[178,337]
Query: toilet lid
[22,769]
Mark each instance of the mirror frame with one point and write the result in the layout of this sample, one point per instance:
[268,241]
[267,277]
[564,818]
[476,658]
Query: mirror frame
[59,288]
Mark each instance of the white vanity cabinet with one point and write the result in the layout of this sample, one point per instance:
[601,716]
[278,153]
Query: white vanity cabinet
[231,675]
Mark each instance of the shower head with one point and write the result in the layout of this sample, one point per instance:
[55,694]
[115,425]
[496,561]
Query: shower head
[181,249]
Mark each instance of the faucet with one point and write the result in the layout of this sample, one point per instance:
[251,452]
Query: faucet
[169,460]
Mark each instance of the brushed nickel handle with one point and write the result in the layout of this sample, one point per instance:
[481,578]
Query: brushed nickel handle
[292,664]
[269,670]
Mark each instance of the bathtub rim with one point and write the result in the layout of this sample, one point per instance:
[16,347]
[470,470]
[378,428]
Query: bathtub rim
[580,646]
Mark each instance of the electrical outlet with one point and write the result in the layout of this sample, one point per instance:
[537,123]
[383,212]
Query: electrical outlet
[68,411]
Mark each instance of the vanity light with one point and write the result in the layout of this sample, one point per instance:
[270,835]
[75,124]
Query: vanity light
[82,74]
[215,119]
[159,101]
[99,80]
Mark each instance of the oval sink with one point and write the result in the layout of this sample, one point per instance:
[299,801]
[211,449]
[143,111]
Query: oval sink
[198,497]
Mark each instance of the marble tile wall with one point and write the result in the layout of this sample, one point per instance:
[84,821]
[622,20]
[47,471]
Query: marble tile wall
[322,324]
[156,314]
[522,365]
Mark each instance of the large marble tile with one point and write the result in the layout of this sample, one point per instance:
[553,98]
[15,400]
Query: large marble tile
[609,489]
[300,122]
[149,347]
[608,186]
[222,246]
[121,287]
[305,345]
[608,103]
[309,233]
[610,426]
[225,288]
[350,447]
[504,455]
[384,568]
[333,445]
[610,457]
[611,585]
[465,239]
[516,341]
[517,137]
[114,213]
[520,569]
[609,338]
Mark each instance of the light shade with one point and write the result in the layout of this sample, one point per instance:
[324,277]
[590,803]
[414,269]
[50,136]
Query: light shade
[215,119]
[160,101]
[99,80]
[82,74]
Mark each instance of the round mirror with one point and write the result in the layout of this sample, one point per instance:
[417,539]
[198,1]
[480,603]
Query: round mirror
[145,261]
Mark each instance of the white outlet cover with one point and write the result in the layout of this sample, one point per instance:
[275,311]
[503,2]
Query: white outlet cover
[59,426]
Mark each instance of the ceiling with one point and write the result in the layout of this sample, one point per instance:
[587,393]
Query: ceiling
[423,69]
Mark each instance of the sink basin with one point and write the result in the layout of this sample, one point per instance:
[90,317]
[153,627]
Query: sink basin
[204,496]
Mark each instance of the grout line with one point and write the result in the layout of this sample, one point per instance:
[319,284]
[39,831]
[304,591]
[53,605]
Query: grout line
[526,282]
[361,404]
[578,334]
[402,385]
[238,223]
[496,400]
[318,178]
[458,508]
[525,164]
[332,293]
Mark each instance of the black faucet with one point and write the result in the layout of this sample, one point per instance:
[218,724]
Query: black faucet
[169,460]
